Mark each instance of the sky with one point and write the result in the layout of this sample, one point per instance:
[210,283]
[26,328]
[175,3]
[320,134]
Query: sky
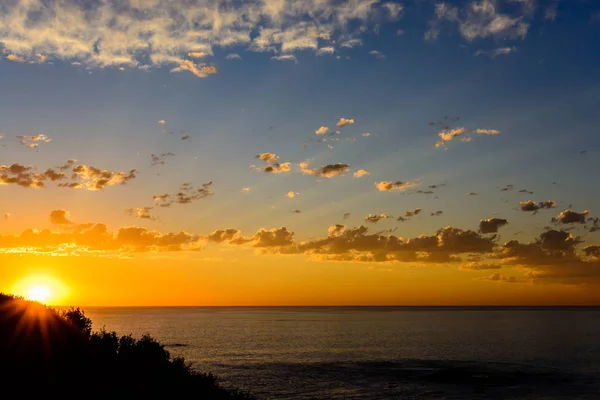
[323,152]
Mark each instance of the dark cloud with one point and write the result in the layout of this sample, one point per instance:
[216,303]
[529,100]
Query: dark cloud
[187,193]
[507,187]
[59,217]
[386,186]
[571,217]
[525,191]
[491,225]
[346,216]
[376,218]
[411,213]
[436,214]
[159,159]
[141,213]
[475,266]
[532,206]
[502,278]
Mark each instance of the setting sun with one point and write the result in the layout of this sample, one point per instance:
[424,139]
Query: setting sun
[38,293]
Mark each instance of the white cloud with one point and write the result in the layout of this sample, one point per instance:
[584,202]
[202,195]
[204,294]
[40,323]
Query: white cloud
[285,57]
[149,33]
[482,19]
[500,51]
[350,43]
[233,56]
[367,134]
[377,54]
[325,50]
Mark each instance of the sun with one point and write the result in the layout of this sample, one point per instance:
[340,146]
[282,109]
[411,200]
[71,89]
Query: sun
[38,293]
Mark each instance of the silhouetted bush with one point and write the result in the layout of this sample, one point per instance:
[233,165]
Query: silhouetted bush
[56,355]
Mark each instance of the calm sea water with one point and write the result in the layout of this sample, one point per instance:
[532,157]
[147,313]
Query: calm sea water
[380,352]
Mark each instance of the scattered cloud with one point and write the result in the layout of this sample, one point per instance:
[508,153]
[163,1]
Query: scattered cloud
[411,213]
[532,206]
[186,137]
[326,50]
[290,194]
[367,134]
[200,70]
[475,266]
[159,159]
[376,218]
[387,186]
[481,19]
[196,54]
[7,216]
[343,122]
[162,121]
[327,171]
[33,141]
[377,54]
[500,51]
[273,164]
[186,194]
[496,277]
[361,172]
[233,56]
[285,57]
[322,130]
[141,213]
[246,189]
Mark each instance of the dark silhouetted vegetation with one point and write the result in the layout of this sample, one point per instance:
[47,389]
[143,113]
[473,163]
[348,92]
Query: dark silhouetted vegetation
[56,355]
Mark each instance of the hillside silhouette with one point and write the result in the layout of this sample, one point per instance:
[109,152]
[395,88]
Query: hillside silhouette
[56,355]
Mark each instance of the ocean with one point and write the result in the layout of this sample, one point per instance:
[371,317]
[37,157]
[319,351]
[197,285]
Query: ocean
[380,352]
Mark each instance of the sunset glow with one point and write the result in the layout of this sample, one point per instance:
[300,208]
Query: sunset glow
[300,152]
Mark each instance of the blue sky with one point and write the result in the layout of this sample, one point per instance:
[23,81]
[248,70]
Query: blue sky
[525,68]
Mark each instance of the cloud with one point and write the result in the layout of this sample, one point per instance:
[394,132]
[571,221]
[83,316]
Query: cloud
[367,134]
[290,195]
[448,134]
[162,121]
[159,159]
[343,122]
[200,70]
[411,213]
[7,216]
[551,11]
[361,172]
[233,56]
[328,171]
[377,54]
[376,218]
[326,50]
[480,19]
[387,186]
[346,215]
[245,189]
[186,194]
[186,137]
[491,225]
[496,277]
[436,214]
[500,51]
[32,141]
[350,43]
[531,205]
[322,130]
[92,178]
[274,166]
[571,217]
[59,217]
[141,213]
[145,34]
[474,266]
[196,54]
[285,57]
